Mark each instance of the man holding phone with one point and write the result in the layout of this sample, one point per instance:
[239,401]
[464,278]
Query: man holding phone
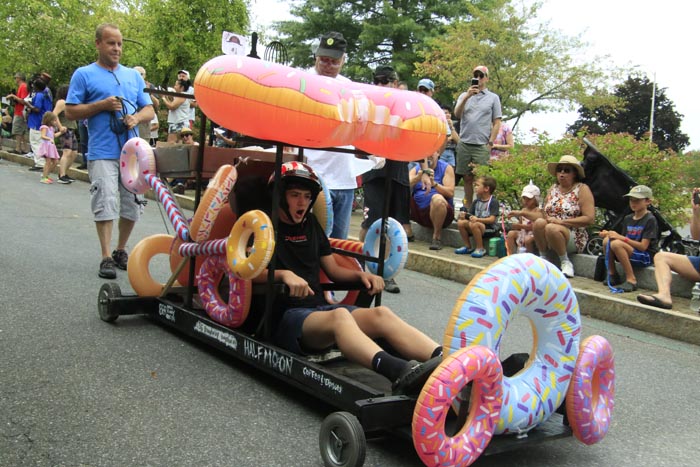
[665,263]
[479,111]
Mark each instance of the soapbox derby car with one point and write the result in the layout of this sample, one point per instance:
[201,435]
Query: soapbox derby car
[468,407]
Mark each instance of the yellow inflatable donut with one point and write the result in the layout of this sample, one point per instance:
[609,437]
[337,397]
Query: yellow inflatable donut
[249,264]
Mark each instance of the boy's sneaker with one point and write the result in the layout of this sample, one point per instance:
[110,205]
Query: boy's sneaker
[414,376]
[465,250]
[64,180]
[567,268]
[121,258]
[107,269]
[46,180]
[479,253]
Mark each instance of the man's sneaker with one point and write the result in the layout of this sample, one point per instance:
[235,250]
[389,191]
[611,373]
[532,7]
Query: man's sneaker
[29,155]
[478,253]
[70,179]
[64,180]
[391,286]
[36,168]
[436,244]
[414,376]
[46,180]
[107,269]
[121,258]
[567,268]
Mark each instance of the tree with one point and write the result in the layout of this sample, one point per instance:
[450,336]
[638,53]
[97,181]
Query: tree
[632,116]
[378,32]
[532,67]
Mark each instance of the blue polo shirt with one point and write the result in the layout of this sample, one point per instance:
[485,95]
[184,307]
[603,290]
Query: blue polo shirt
[93,83]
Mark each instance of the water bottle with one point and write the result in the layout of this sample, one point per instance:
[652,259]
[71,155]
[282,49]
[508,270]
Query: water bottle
[695,298]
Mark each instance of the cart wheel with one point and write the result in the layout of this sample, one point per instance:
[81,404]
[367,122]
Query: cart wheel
[342,441]
[595,246]
[107,291]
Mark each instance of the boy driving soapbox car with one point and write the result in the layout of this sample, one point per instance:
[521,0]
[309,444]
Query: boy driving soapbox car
[563,386]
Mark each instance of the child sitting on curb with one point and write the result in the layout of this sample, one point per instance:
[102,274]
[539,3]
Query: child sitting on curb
[520,235]
[638,245]
[480,219]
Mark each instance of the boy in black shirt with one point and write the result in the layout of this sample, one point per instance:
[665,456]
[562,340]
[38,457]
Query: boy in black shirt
[310,324]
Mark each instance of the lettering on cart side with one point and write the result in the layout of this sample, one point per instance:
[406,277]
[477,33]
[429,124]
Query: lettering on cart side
[227,339]
[322,380]
[166,311]
[268,357]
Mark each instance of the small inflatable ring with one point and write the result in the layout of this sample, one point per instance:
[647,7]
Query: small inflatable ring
[480,365]
[241,264]
[351,246]
[397,247]
[137,268]
[236,311]
[529,285]
[348,263]
[323,209]
[135,162]
[215,196]
[590,399]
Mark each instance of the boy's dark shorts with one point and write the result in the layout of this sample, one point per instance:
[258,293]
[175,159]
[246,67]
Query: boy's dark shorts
[288,334]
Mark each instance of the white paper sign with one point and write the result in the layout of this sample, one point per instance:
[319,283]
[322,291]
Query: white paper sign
[233,44]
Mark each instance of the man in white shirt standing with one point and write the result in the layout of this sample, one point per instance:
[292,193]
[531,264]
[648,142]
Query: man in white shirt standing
[334,168]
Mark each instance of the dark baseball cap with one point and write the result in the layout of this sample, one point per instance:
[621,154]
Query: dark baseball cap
[332,45]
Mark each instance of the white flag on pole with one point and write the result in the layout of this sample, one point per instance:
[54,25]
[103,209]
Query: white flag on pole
[233,44]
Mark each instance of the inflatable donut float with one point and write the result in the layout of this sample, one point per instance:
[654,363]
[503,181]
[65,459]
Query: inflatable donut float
[176,218]
[590,399]
[135,162]
[323,209]
[481,366]
[221,229]
[351,246]
[396,247]
[351,296]
[214,198]
[279,103]
[233,313]
[522,284]
[137,268]
[249,264]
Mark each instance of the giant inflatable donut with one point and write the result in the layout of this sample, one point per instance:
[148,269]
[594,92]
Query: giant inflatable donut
[279,103]
[481,366]
[137,268]
[396,246]
[214,198]
[323,209]
[233,313]
[176,218]
[590,399]
[535,288]
[247,265]
[135,162]
[351,296]
[221,229]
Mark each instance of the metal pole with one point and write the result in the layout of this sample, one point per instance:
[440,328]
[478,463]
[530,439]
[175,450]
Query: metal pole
[651,117]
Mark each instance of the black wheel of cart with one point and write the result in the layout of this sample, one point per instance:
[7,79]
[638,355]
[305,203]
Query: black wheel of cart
[342,441]
[107,291]
[595,246]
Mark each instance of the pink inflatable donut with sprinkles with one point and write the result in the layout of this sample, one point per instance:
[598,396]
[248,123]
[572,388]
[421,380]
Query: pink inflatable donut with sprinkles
[522,285]
[233,313]
[590,399]
[135,162]
[479,365]
[244,263]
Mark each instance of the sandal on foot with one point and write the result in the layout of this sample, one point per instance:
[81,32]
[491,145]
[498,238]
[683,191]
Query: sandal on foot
[653,301]
[628,287]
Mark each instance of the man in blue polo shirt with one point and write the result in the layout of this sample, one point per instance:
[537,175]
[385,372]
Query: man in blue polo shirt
[41,103]
[111,97]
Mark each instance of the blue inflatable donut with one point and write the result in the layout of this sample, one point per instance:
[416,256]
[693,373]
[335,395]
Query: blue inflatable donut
[522,284]
[396,246]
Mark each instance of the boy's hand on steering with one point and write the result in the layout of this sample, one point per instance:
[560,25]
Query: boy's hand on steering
[298,287]
[374,283]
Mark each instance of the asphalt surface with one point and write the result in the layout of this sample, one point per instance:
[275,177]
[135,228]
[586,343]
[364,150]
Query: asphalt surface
[75,391]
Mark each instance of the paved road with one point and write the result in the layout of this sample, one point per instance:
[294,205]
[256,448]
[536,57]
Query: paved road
[75,391]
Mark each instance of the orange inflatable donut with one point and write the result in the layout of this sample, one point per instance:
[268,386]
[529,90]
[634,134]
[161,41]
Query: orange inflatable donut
[215,196]
[249,264]
[222,227]
[351,296]
[280,103]
[137,268]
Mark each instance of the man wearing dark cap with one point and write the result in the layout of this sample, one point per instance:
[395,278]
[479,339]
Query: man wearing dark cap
[479,112]
[334,168]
